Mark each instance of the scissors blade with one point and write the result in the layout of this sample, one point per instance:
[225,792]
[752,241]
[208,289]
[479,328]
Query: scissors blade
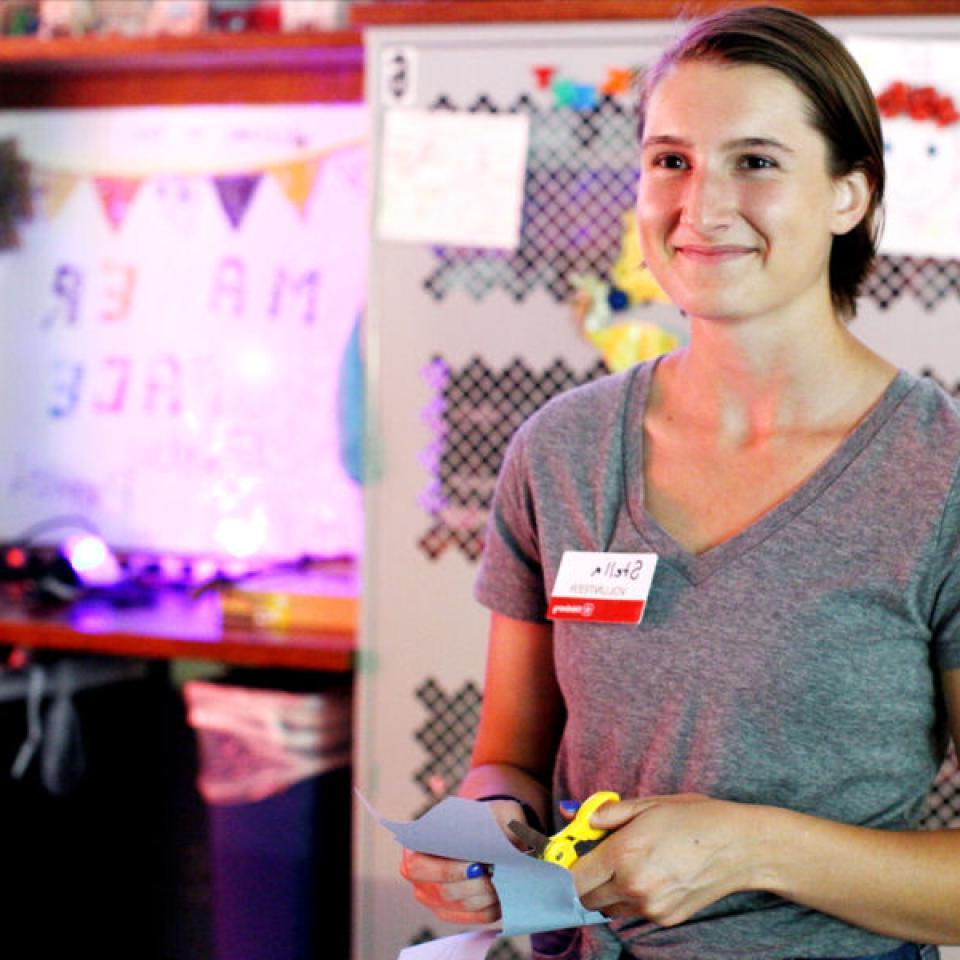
[534,839]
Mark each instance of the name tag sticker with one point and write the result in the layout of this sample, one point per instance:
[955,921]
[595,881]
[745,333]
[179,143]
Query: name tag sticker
[602,587]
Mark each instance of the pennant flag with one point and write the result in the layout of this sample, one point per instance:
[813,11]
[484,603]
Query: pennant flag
[176,195]
[296,179]
[618,81]
[543,76]
[564,91]
[236,190]
[52,190]
[351,164]
[584,96]
[117,195]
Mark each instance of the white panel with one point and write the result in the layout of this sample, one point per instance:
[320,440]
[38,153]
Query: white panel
[420,620]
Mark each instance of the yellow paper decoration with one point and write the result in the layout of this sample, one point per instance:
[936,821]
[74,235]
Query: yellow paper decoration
[617,334]
[630,274]
[296,179]
[624,344]
[54,189]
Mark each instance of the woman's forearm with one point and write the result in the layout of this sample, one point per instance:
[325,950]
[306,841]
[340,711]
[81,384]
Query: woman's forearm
[903,884]
[490,779]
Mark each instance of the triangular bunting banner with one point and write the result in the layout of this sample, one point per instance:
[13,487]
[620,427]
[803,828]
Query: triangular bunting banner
[296,179]
[352,164]
[176,197]
[53,189]
[235,192]
[117,195]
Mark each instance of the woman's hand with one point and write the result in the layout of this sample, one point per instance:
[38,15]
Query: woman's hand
[456,891]
[668,858]
[445,887]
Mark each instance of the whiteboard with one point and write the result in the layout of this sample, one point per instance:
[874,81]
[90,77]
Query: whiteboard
[177,326]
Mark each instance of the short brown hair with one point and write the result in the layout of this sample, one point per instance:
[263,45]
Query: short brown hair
[842,108]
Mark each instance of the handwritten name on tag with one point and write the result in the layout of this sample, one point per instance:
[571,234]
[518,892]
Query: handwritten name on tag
[602,587]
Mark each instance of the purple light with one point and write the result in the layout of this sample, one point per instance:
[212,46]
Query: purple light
[86,553]
[242,537]
[92,560]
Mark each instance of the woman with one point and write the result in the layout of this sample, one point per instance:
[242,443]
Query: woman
[775,720]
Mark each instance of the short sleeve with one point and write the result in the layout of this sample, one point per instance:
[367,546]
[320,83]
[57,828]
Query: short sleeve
[946,610]
[510,578]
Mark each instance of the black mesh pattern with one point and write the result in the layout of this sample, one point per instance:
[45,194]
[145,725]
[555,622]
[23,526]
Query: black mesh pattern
[473,415]
[943,803]
[446,737]
[581,177]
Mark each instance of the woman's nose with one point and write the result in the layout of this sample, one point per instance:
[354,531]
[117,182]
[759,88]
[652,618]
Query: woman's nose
[708,201]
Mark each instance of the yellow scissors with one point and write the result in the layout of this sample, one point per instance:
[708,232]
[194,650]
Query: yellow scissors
[575,839]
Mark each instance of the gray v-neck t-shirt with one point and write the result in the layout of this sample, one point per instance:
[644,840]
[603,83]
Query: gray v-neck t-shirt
[795,664]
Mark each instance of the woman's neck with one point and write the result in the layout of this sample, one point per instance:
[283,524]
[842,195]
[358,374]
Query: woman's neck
[749,384]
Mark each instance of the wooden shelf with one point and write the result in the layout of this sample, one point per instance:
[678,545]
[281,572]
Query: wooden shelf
[175,626]
[307,67]
[397,12]
[209,68]
[218,50]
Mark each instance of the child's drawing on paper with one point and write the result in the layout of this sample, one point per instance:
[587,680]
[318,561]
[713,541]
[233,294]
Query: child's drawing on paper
[917,86]
[922,152]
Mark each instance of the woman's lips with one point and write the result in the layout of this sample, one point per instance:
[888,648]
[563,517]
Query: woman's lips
[702,253]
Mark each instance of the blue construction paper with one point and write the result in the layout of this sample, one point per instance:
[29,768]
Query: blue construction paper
[534,895]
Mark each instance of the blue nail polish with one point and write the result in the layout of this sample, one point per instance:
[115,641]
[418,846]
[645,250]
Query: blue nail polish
[475,870]
[569,806]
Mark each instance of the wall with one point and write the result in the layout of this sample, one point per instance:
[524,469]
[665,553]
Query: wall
[464,342]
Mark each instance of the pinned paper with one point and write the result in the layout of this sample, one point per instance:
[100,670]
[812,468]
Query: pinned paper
[465,946]
[453,178]
[921,152]
[535,896]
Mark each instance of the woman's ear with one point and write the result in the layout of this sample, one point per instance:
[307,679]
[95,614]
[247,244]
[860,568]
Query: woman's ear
[852,195]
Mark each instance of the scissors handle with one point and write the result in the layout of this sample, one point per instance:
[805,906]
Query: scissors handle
[565,846]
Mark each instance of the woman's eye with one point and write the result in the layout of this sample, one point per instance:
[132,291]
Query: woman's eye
[670,161]
[753,161]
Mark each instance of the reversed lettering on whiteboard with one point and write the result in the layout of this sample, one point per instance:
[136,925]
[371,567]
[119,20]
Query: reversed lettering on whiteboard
[176,370]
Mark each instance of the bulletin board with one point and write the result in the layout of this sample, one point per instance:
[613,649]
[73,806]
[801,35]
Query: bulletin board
[468,334]
[178,325]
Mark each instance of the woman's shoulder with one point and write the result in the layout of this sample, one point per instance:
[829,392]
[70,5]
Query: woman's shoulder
[924,432]
[934,408]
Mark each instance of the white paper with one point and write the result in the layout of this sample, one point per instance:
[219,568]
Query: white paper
[452,178]
[922,203]
[464,946]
